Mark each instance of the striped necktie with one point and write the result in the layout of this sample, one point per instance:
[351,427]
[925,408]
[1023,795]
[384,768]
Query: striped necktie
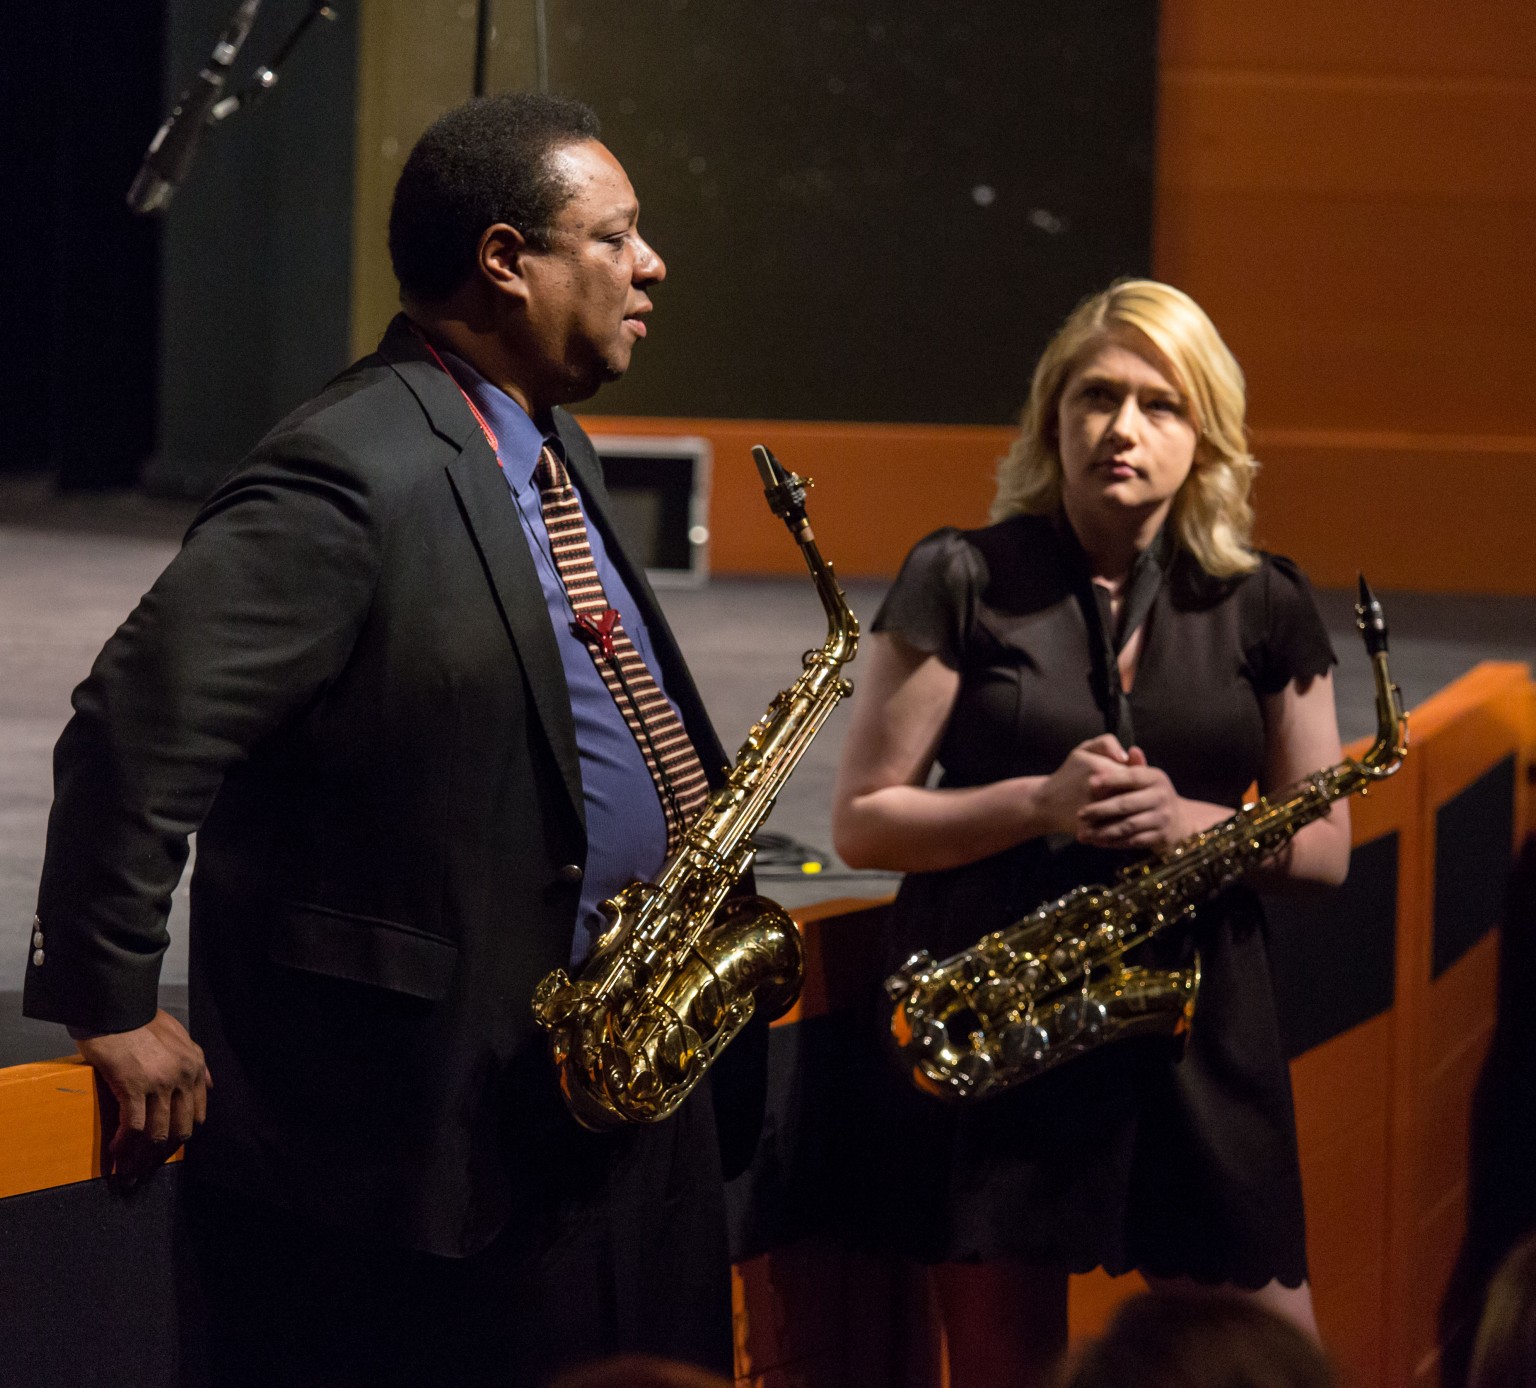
[663,741]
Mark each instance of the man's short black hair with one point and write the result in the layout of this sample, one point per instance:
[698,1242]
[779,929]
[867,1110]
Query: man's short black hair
[484,162]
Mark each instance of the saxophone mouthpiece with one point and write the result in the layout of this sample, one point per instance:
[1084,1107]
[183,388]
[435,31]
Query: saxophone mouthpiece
[768,467]
[1370,619]
[784,489]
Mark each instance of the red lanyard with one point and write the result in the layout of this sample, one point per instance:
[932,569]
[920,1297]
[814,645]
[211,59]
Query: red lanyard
[595,631]
[485,428]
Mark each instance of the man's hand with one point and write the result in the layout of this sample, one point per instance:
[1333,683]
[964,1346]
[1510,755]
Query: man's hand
[161,1083]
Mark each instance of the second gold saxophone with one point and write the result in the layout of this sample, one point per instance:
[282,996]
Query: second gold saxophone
[682,966]
[1057,985]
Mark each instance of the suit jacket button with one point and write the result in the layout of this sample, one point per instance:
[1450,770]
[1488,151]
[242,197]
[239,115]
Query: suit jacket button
[571,872]
[37,958]
[37,939]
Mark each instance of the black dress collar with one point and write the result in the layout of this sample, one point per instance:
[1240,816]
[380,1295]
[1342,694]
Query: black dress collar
[1107,635]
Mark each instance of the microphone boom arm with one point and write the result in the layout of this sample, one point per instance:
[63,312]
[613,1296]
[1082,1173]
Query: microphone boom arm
[169,157]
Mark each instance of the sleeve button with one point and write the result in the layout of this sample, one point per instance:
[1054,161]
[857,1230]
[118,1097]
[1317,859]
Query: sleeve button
[37,958]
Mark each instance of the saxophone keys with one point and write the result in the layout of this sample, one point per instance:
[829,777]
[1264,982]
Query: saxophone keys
[1023,1045]
[614,1062]
[552,999]
[994,998]
[974,1070]
[709,1007]
[972,969]
[932,1034]
[917,969]
[677,1052]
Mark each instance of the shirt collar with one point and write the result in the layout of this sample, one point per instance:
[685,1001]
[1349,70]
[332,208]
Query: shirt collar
[1146,576]
[519,440]
[1149,565]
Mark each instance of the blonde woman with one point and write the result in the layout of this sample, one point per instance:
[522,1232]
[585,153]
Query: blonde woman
[1099,673]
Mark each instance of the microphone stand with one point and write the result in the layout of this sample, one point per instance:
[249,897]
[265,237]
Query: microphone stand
[265,77]
[482,44]
[169,157]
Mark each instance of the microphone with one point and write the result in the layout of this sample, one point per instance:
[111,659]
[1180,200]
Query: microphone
[169,157]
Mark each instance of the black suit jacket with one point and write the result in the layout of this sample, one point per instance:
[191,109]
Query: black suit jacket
[347,683]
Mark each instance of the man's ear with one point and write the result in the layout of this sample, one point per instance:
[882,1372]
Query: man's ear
[500,259]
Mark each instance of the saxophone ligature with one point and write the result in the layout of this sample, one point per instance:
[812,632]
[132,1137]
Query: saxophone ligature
[1056,984]
[682,964]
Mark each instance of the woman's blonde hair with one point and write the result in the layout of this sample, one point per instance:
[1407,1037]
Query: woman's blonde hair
[1212,517]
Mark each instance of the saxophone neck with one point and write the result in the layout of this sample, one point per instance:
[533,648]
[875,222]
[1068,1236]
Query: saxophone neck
[842,641]
[786,491]
[1386,753]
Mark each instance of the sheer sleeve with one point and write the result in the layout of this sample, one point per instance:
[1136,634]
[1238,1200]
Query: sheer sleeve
[932,604]
[1293,643]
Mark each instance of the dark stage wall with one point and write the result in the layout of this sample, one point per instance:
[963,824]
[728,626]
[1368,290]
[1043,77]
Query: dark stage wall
[79,97]
[257,261]
[871,211]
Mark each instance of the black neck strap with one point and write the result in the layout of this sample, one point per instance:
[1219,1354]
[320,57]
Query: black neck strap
[1107,635]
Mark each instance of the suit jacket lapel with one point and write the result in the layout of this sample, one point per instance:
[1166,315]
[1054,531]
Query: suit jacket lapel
[498,536]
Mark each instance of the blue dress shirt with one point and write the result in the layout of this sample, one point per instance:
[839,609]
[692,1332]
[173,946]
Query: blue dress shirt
[626,829]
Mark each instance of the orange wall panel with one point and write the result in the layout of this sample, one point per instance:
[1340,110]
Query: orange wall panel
[1457,1017]
[1341,1091]
[1450,517]
[1472,724]
[1492,38]
[879,487]
[1459,734]
[1437,1240]
[1350,1322]
[1372,159]
[1348,135]
[1403,314]
[1443,1118]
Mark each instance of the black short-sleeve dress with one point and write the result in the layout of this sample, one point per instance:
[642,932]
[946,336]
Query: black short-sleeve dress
[1125,1158]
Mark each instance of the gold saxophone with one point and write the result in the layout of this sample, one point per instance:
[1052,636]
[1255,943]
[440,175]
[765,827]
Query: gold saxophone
[1055,985]
[675,977]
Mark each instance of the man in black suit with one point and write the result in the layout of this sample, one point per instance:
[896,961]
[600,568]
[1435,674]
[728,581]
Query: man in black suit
[360,685]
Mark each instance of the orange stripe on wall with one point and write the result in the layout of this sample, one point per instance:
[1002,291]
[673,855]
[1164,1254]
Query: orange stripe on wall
[879,487]
[1452,515]
[1424,512]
